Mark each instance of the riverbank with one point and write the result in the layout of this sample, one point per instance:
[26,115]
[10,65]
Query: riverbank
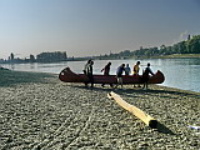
[181,56]
[39,112]
[172,56]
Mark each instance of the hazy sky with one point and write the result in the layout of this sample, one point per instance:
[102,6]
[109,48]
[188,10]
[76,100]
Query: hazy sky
[93,27]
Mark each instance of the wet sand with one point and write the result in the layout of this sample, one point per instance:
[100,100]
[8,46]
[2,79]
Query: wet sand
[39,112]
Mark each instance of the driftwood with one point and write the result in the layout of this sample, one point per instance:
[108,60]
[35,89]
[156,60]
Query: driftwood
[147,119]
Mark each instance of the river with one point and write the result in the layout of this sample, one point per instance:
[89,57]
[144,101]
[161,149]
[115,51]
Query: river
[179,73]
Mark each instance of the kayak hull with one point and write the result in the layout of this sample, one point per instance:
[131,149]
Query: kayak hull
[66,75]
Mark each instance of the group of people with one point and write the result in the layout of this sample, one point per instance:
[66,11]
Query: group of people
[136,69]
[88,70]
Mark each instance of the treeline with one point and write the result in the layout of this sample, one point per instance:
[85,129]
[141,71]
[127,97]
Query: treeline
[191,46]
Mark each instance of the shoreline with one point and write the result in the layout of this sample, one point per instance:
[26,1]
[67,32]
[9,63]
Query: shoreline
[38,111]
[182,90]
[57,74]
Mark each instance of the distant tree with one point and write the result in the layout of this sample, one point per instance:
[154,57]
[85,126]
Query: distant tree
[32,58]
[193,45]
[182,47]
[162,47]
[154,51]
[125,53]
[162,50]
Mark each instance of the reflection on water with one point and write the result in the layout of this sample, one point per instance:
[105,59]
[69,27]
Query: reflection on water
[179,73]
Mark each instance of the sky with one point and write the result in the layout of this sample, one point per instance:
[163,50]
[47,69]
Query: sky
[93,27]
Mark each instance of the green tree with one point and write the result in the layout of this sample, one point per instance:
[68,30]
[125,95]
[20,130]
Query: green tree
[193,45]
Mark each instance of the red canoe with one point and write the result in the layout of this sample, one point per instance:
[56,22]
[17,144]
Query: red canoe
[67,75]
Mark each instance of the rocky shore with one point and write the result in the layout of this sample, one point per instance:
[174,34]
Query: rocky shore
[39,112]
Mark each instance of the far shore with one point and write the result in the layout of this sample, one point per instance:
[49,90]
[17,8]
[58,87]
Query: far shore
[183,56]
[40,112]
[173,56]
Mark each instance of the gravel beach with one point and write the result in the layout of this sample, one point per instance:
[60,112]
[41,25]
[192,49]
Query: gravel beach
[39,112]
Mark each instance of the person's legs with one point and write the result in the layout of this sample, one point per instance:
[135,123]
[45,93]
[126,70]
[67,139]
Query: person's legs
[121,81]
[145,80]
[146,85]
[117,82]
[92,80]
[103,84]
[86,84]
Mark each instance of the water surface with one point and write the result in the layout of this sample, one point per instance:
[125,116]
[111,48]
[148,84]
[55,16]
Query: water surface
[179,73]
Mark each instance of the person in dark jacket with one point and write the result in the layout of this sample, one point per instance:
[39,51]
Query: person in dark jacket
[145,76]
[120,71]
[106,70]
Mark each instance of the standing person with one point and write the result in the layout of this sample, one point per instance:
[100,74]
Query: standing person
[120,71]
[89,73]
[106,70]
[136,70]
[127,70]
[86,65]
[145,76]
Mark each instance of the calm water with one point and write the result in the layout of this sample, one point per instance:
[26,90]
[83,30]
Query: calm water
[179,73]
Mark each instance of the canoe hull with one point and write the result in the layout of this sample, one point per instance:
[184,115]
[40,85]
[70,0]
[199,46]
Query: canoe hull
[66,75]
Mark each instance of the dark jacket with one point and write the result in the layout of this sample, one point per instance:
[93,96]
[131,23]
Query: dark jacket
[120,71]
[145,76]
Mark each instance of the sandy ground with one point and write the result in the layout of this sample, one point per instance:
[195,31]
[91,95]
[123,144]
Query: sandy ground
[39,112]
